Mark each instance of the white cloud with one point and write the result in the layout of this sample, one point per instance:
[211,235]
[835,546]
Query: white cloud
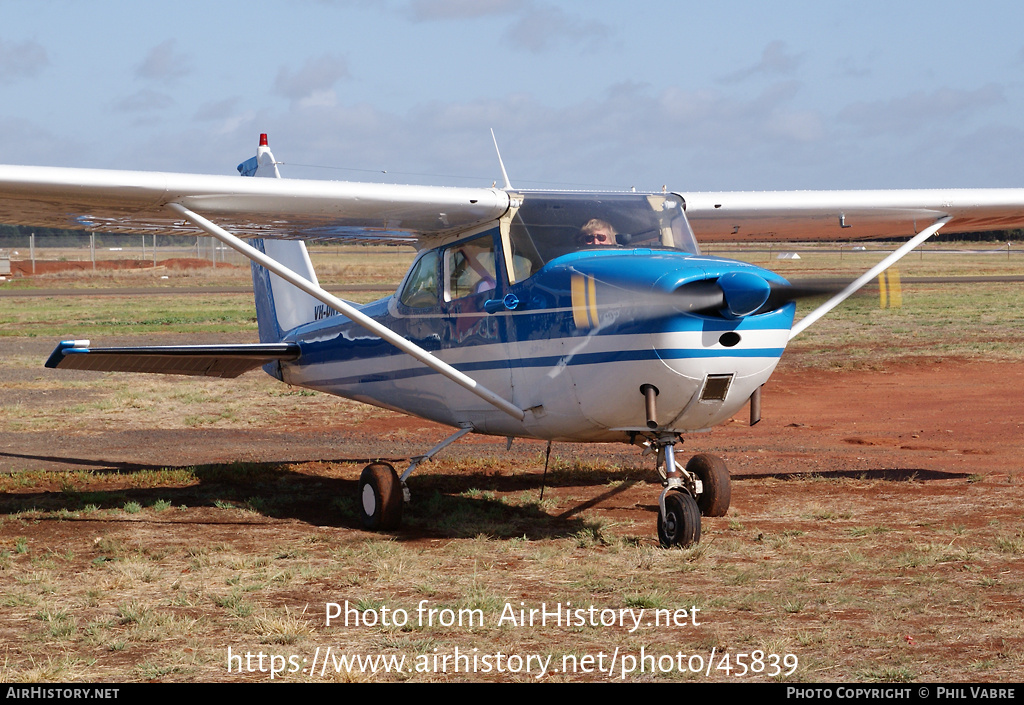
[434,10]
[543,27]
[164,64]
[142,101]
[908,113]
[21,60]
[26,142]
[534,26]
[313,80]
[776,60]
[215,110]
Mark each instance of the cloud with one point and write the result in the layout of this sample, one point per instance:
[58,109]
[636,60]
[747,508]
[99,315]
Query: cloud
[907,113]
[314,81]
[26,142]
[535,26]
[633,134]
[223,116]
[21,60]
[142,101]
[164,64]
[215,110]
[775,60]
[435,10]
[545,26]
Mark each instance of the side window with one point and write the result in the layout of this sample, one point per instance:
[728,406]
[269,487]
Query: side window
[421,287]
[469,268]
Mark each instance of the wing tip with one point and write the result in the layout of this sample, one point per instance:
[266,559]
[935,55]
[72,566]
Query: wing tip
[63,348]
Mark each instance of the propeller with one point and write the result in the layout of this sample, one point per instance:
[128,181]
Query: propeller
[732,295]
[739,294]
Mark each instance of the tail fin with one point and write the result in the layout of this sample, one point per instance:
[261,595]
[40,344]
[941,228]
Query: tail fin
[280,306]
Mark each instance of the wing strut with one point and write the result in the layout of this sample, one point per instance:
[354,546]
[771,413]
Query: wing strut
[354,314]
[852,288]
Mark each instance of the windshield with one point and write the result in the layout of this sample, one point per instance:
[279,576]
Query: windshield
[551,225]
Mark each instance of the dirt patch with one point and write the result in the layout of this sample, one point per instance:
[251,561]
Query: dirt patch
[23,268]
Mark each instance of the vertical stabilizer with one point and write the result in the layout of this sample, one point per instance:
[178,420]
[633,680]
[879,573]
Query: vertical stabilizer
[280,306]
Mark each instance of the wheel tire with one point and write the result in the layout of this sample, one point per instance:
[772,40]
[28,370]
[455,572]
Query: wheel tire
[714,475]
[681,525]
[380,497]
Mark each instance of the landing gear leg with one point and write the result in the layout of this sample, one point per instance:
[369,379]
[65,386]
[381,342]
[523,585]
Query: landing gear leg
[678,514]
[701,488]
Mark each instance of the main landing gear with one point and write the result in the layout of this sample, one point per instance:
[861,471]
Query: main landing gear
[382,492]
[702,487]
[380,496]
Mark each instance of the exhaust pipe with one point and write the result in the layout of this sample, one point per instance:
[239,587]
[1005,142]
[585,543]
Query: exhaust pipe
[650,392]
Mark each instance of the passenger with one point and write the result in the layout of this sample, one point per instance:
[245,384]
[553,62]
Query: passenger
[596,232]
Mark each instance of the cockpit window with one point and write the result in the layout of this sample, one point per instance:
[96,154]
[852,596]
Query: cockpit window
[421,290]
[551,225]
[469,267]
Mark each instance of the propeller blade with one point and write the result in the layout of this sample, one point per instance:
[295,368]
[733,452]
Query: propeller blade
[732,295]
[739,294]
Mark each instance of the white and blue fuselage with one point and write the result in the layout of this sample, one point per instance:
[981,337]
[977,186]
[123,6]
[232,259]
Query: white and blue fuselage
[568,333]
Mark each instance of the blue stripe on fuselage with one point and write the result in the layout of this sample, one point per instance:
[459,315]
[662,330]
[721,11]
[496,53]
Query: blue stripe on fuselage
[338,339]
[551,361]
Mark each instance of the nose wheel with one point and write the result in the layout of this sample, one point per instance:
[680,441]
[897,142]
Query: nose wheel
[679,522]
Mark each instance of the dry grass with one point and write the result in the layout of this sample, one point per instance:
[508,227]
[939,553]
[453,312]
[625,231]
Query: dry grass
[856,589]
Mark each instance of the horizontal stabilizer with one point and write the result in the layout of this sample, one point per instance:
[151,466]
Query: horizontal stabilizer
[198,360]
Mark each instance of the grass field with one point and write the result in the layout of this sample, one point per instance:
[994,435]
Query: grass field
[168,572]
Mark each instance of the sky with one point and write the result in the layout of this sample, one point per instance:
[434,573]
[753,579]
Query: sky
[695,96]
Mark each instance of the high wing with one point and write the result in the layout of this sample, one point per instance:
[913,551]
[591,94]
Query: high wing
[136,202]
[848,215]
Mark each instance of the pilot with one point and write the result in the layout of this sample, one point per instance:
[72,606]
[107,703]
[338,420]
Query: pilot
[596,232]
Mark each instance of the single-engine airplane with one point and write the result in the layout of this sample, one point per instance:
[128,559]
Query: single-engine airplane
[588,317]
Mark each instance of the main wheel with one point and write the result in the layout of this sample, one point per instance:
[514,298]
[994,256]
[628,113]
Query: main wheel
[681,524]
[714,475]
[380,496]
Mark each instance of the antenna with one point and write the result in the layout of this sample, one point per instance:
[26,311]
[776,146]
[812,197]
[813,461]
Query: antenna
[508,185]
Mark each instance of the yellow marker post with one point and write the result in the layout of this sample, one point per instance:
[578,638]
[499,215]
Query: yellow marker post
[890,291]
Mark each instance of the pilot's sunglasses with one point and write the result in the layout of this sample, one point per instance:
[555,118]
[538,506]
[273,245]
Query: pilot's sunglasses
[595,237]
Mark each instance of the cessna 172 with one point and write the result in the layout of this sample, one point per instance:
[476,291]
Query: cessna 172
[547,315]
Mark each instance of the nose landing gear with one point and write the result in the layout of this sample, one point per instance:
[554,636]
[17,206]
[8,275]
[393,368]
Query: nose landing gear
[679,520]
[702,487]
